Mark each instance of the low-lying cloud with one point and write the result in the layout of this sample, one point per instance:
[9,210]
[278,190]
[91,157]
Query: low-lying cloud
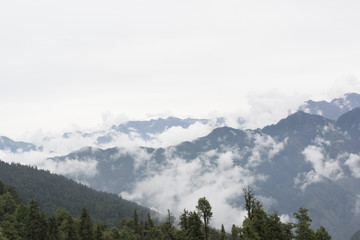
[354,165]
[323,166]
[179,183]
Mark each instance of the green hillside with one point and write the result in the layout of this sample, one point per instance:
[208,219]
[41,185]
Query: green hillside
[52,191]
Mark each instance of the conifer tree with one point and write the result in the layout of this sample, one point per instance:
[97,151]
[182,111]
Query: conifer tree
[36,226]
[302,227]
[222,232]
[70,229]
[204,209]
[85,226]
[322,234]
[53,229]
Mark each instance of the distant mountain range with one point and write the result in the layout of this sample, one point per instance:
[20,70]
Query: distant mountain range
[310,159]
[13,146]
[334,109]
[303,160]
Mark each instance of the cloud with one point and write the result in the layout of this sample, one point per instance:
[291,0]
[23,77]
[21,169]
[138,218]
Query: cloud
[323,166]
[176,135]
[285,218]
[345,84]
[265,148]
[70,167]
[306,179]
[178,184]
[269,107]
[354,165]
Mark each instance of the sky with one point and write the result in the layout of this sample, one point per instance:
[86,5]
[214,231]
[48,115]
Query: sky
[90,64]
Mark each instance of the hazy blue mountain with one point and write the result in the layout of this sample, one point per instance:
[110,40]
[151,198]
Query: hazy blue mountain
[307,160]
[335,108]
[147,129]
[13,146]
[356,236]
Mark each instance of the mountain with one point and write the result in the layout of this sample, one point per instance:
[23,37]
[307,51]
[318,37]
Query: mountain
[303,160]
[53,191]
[356,236]
[147,130]
[13,146]
[334,109]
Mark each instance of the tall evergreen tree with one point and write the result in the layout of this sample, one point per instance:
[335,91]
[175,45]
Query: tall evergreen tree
[36,226]
[53,229]
[222,233]
[69,229]
[302,227]
[194,226]
[204,209]
[322,234]
[256,213]
[85,226]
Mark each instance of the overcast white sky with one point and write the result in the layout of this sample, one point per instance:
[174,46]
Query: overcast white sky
[79,63]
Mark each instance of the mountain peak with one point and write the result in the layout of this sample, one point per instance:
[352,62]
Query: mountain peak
[299,122]
[350,121]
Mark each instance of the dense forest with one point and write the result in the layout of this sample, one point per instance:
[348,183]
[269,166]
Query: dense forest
[53,191]
[21,221]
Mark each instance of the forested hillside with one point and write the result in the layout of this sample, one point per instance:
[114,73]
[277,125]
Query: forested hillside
[20,221]
[53,191]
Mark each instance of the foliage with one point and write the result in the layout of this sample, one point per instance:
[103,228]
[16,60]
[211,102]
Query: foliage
[20,221]
[53,191]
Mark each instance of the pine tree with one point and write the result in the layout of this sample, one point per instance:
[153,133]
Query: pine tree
[85,226]
[36,226]
[222,233]
[70,229]
[194,226]
[256,213]
[204,209]
[322,234]
[53,229]
[302,227]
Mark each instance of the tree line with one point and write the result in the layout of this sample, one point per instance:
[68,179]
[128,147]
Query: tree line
[19,221]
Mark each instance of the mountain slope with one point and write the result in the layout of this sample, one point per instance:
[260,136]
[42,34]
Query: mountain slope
[303,160]
[13,146]
[54,191]
[334,109]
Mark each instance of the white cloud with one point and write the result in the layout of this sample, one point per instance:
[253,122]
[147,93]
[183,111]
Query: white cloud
[71,167]
[269,107]
[266,148]
[354,165]
[306,179]
[178,184]
[323,166]
[285,218]
[176,135]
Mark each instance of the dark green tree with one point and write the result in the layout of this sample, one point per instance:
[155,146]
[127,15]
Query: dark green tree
[204,209]
[167,228]
[85,226]
[69,229]
[222,233]
[2,188]
[256,213]
[36,225]
[274,228]
[322,234]
[194,226]
[248,232]
[235,232]
[53,229]
[302,227]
